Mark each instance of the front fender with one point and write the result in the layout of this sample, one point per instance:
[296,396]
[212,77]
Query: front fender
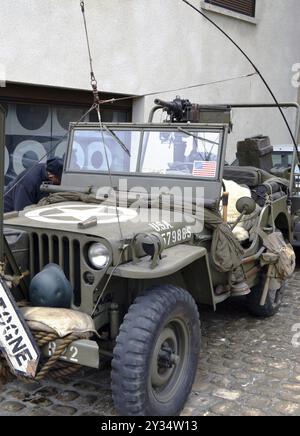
[174,259]
[180,258]
[281,216]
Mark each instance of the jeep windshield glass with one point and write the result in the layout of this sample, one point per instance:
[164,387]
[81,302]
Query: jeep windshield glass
[96,151]
[166,152]
[194,154]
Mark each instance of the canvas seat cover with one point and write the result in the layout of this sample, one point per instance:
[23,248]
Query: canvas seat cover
[249,176]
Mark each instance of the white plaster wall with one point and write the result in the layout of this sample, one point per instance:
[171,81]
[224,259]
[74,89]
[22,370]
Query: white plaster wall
[140,46]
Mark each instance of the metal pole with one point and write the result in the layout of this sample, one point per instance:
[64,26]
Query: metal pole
[295,157]
[284,105]
[2,156]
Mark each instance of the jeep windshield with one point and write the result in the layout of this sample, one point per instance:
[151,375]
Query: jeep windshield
[182,152]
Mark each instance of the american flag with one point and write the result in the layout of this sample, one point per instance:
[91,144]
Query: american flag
[205,168]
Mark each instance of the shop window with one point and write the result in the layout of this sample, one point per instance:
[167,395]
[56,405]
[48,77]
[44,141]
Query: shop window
[34,130]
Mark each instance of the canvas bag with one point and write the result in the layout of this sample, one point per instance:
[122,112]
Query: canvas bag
[276,244]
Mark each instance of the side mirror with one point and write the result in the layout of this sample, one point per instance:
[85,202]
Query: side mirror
[246,205]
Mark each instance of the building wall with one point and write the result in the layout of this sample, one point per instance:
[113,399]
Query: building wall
[142,46]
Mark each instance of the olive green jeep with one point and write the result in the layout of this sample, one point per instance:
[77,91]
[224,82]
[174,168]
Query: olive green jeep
[141,229]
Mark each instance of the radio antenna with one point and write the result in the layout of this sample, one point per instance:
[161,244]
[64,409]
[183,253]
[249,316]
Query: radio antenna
[255,68]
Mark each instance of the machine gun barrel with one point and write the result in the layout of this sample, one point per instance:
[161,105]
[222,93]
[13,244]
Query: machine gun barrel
[170,105]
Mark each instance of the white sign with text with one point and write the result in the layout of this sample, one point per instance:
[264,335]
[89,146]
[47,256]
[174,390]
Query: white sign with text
[16,341]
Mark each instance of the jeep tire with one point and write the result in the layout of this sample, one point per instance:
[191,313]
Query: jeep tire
[156,354]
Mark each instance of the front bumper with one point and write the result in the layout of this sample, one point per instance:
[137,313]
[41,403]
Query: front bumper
[83,352]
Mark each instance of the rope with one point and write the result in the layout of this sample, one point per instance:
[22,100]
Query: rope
[215,82]
[5,371]
[94,82]
[50,367]
[63,371]
[108,167]
[87,35]
[43,338]
[56,355]
[96,107]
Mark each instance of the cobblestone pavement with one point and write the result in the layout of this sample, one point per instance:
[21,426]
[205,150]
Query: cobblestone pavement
[247,367]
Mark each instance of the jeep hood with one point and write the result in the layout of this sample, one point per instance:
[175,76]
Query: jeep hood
[65,217]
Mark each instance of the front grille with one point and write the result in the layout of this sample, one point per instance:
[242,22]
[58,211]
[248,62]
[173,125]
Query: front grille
[62,250]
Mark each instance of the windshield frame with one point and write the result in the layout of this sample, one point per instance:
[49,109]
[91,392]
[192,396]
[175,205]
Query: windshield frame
[144,129]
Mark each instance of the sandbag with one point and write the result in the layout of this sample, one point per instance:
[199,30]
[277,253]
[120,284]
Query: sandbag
[61,321]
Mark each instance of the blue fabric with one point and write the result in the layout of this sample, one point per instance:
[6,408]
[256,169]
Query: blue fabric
[27,189]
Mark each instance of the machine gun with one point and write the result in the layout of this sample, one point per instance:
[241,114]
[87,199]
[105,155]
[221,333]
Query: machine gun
[178,109]
[183,111]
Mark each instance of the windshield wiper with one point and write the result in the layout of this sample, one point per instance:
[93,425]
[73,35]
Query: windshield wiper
[117,139]
[197,137]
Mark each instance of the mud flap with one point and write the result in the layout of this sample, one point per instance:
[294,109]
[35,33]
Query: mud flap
[16,341]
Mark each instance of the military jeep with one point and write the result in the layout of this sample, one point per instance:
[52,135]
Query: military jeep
[139,229]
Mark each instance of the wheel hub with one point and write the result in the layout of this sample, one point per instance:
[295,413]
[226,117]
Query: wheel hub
[164,357]
[169,360]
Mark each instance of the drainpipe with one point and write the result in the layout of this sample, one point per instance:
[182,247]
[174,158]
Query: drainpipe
[2,156]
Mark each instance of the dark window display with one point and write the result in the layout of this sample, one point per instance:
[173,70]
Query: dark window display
[33,130]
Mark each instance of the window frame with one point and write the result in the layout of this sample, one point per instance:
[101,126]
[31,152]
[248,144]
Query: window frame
[207,6]
[144,129]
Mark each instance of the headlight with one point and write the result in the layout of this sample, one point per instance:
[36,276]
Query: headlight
[98,255]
